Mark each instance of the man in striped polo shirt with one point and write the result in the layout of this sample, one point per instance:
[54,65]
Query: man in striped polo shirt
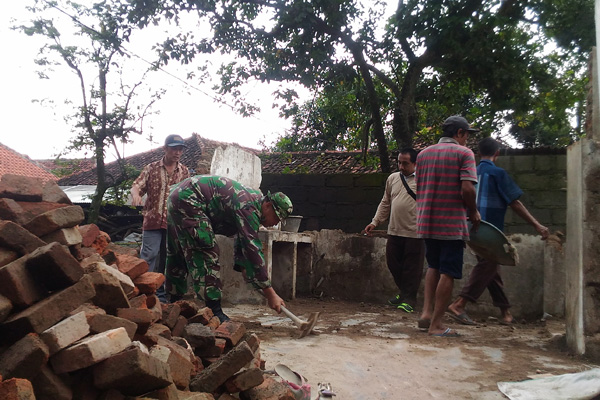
[446,178]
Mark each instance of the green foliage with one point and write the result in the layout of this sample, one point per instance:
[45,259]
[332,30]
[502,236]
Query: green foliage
[107,114]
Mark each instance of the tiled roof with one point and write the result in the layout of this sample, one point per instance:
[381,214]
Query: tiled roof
[196,157]
[15,163]
[322,162]
[64,167]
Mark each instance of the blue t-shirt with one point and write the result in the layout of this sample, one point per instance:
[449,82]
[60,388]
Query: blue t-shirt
[495,191]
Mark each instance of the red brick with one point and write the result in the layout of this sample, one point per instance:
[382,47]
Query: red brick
[5,308]
[188,308]
[216,350]
[180,366]
[10,210]
[24,358]
[159,330]
[231,331]
[15,237]
[270,389]
[170,313]
[89,233]
[141,316]
[54,267]
[53,220]
[122,250]
[222,369]
[49,386]
[32,210]
[16,389]
[65,236]
[203,316]
[109,293]
[18,284]
[244,380]
[227,396]
[168,393]
[101,243]
[214,323]
[126,282]
[90,351]
[149,282]
[199,336]
[66,332]
[43,314]
[53,193]
[196,396]
[179,326]
[131,266]
[132,372]
[139,301]
[23,188]
[7,256]
[154,305]
[253,341]
[102,323]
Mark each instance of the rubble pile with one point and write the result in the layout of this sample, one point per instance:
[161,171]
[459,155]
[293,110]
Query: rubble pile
[79,318]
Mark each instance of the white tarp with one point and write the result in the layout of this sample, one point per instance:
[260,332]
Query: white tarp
[578,386]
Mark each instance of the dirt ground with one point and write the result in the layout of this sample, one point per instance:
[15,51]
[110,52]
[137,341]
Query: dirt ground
[375,352]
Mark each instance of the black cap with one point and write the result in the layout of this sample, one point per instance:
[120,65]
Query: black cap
[174,140]
[458,122]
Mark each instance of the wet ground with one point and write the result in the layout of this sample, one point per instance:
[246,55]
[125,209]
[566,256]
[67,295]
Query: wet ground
[375,352]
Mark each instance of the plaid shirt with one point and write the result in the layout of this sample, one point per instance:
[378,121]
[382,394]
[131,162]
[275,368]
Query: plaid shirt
[156,183]
[441,168]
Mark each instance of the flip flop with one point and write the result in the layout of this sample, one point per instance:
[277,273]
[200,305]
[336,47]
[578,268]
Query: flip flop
[462,318]
[447,333]
[423,323]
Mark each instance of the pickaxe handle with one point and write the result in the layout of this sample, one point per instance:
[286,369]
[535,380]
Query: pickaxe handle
[299,323]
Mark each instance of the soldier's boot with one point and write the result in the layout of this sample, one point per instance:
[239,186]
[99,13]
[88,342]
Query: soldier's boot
[215,306]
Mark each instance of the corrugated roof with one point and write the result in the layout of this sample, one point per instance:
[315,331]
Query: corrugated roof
[15,163]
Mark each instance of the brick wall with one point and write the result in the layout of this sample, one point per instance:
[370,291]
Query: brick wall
[349,201]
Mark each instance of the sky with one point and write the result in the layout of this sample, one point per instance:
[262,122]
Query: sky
[37,128]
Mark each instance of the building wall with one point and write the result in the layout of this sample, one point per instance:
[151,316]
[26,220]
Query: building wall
[349,201]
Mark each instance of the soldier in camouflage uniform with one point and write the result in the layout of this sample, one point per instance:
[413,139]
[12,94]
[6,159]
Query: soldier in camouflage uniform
[202,206]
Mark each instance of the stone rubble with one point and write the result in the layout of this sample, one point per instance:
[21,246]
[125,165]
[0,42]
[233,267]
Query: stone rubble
[79,318]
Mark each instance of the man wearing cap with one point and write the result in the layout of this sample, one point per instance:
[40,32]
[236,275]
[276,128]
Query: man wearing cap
[446,178]
[155,181]
[201,207]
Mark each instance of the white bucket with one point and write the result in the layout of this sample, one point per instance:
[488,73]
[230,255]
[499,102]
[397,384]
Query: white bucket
[291,223]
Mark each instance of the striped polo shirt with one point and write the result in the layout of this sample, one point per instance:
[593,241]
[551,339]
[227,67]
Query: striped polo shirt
[441,168]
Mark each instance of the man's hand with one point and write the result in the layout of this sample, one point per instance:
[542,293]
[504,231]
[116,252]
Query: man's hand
[475,219]
[136,199]
[543,231]
[368,229]
[275,302]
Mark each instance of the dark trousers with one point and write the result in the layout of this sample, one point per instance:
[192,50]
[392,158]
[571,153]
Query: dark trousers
[485,274]
[404,258]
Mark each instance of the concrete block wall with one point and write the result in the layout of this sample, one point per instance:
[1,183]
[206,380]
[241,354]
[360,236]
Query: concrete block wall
[348,202]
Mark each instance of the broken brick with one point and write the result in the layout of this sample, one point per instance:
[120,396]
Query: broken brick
[54,267]
[179,326]
[45,313]
[24,358]
[222,369]
[90,351]
[16,389]
[216,350]
[18,284]
[170,313]
[89,233]
[270,389]
[244,380]
[5,308]
[231,331]
[141,316]
[109,292]
[23,188]
[132,372]
[203,316]
[53,193]
[53,220]
[15,237]
[131,266]
[149,282]
[49,386]
[102,323]
[199,336]
[65,236]
[66,332]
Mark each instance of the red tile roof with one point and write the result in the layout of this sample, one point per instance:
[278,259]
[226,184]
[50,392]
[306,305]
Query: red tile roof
[15,163]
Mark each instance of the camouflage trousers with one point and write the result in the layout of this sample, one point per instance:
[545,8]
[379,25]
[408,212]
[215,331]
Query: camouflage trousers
[192,249]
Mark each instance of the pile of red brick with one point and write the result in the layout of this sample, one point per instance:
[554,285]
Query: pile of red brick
[79,318]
